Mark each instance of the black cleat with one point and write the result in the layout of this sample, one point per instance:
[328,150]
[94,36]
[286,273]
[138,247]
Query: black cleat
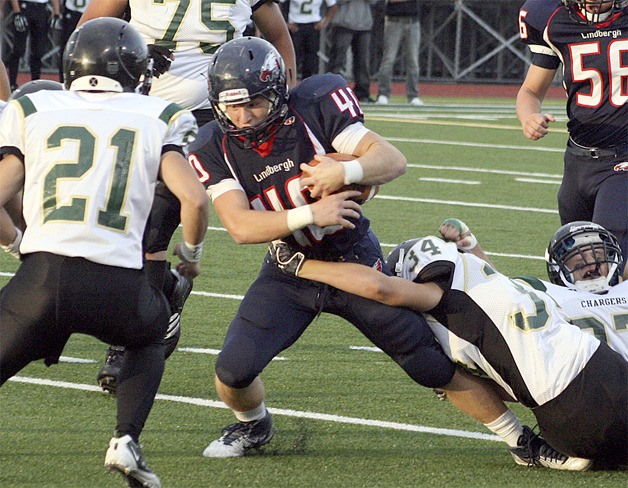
[108,375]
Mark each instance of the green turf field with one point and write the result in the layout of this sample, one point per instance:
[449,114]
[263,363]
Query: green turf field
[345,414]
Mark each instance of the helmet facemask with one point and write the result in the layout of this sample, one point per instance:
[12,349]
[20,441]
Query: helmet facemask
[259,133]
[242,70]
[579,13]
[593,247]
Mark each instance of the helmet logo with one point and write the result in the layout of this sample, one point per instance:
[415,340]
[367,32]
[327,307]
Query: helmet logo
[93,81]
[270,68]
[236,95]
[621,166]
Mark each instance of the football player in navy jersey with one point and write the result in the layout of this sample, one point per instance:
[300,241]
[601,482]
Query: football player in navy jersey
[590,39]
[251,159]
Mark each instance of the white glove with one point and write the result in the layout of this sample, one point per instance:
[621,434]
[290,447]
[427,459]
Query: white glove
[19,22]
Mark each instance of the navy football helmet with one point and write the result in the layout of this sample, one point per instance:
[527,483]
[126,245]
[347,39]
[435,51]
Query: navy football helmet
[576,238]
[107,54]
[601,12]
[241,70]
[35,86]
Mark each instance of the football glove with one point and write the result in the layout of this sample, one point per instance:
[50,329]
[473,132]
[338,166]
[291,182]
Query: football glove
[464,239]
[285,258]
[55,23]
[161,59]
[19,22]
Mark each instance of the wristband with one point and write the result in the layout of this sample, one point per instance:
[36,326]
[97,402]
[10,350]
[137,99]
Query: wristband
[300,217]
[14,248]
[472,243]
[191,252]
[353,171]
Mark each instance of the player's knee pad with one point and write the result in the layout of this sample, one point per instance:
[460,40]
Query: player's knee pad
[234,377]
[428,366]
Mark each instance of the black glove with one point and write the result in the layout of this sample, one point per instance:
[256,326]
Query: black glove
[161,59]
[285,258]
[19,22]
[55,23]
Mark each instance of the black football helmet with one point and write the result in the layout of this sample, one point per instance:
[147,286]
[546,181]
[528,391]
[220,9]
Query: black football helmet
[579,13]
[35,86]
[241,70]
[576,238]
[107,54]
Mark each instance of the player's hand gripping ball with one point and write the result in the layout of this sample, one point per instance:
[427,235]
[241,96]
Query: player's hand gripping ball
[367,192]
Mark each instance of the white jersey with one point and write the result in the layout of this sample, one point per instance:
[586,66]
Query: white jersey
[605,316]
[192,30]
[493,325]
[307,11]
[91,163]
[76,5]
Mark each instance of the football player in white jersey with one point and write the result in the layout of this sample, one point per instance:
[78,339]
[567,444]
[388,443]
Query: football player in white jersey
[583,262]
[88,160]
[182,37]
[509,332]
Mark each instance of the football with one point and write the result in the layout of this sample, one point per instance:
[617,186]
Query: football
[367,192]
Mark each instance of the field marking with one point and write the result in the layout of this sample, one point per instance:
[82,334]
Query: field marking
[534,180]
[215,352]
[484,170]
[457,124]
[467,204]
[202,402]
[69,359]
[476,144]
[454,182]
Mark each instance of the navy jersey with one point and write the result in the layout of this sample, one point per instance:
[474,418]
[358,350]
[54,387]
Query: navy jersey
[595,68]
[320,108]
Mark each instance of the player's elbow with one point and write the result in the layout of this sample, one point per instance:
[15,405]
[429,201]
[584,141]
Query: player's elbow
[377,290]
[398,165]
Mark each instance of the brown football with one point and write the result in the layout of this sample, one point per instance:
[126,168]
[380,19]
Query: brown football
[367,191]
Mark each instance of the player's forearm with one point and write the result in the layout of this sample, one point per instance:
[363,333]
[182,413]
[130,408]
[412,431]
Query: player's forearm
[257,226]
[8,231]
[381,161]
[353,278]
[528,104]
[194,219]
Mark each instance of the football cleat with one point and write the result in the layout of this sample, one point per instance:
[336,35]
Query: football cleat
[532,450]
[108,375]
[125,456]
[241,437]
[552,459]
[180,293]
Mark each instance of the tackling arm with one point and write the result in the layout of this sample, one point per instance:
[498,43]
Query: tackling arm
[369,283]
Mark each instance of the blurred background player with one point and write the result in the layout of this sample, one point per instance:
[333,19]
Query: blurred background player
[88,187]
[305,23]
[182,39]
[32,21]
[71,11]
